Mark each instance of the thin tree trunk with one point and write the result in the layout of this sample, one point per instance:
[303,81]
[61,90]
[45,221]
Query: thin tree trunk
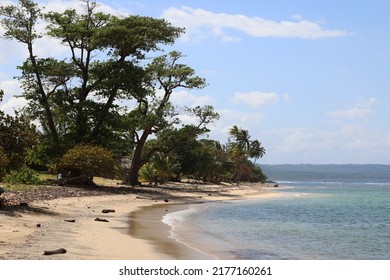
[43,100]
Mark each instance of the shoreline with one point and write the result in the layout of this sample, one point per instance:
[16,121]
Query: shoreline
[135,230]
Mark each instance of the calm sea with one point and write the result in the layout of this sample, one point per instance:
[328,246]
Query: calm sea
[327,212]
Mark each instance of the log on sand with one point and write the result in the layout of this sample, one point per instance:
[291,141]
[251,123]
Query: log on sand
[54,252]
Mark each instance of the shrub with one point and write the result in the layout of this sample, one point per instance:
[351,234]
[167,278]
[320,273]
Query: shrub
[90,161]
[24,175]
[3,163]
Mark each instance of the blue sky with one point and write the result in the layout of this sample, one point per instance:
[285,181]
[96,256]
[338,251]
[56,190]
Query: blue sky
[309,79]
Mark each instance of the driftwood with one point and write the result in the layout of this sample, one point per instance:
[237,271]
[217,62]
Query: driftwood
[101,220]
[54,252]
[70,221]
[74,181]
[105,211]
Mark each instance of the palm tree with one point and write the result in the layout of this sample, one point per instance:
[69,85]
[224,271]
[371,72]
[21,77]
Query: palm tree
[242,148]
[241,138]
[165,167]
[148,173]
[256,150]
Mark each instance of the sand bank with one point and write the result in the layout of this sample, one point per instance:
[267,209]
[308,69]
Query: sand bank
[133,232]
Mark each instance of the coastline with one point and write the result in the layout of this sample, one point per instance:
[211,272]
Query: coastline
[135,230]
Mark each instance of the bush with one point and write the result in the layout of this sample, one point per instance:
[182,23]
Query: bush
[24,175]
[89,161]
[3,163]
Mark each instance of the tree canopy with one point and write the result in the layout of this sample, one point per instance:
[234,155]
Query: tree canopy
[111,90]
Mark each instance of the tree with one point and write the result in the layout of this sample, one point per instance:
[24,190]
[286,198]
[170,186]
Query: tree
[165,167]
[241,147]
[19,22]
[17,137]
[256,151]
[155,114]
[148,173]
[74,97]
[3,163]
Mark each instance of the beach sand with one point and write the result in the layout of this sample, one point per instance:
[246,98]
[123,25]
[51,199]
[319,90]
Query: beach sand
[133,232]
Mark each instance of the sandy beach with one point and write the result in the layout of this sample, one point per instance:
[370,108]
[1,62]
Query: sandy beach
[133,232]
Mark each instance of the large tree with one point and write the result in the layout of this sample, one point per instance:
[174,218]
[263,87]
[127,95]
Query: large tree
[155,112]
[74,97]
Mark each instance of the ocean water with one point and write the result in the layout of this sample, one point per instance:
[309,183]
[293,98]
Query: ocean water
[326,212]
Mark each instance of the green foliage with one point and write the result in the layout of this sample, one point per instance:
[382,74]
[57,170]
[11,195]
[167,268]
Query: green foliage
[242,148]
[90,161]
[17,137]
[155,114]
[160,169]
[24,175]
[3,163]
[74,98]
[210,161]
[257,174]
[148,173]
[166,167]
[77,101]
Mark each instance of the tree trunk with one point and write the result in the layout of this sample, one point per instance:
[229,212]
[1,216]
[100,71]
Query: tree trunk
[137,162]
[132,177]
[44,98]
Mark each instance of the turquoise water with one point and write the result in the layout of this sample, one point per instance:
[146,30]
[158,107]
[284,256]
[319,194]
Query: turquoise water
[325,212]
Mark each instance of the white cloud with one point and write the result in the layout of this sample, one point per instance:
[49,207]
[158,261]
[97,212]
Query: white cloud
[200,23]
[45,46]
[362,102]
[361,108]
[352,113]
[255,99]
[353,143]
[62,5]
[184,98]
[10,87]
[13,104]
[228,118]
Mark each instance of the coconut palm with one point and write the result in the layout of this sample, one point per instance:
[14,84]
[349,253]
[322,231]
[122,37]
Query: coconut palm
[242,148]
[241,138]
[256,150]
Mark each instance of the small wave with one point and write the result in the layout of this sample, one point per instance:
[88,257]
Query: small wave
[179,216]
